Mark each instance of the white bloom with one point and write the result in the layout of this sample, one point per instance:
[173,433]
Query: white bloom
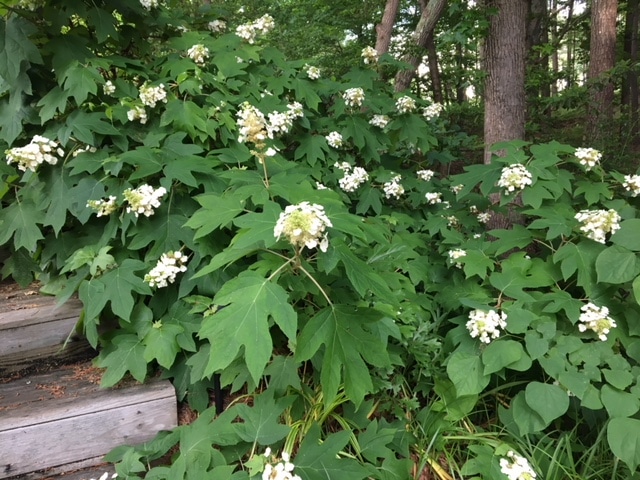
[433,197]
[138,113]
[252,125]
[84,149]
[379,121]
[312,72]
[278,469]
[250,31]
[149,4]
[514,177]
[425,175]
[369,55]
[516,467]
[393,188]
[198,53]
[151,95]
[455,255]
[597,223]
[423,70]
[217,26]
[588,157]
[334,139]
[484,217]
[304,225]
[103,207]
[165,271]
[456,188]
[38,151]
[353,97]
[321,186]
[352,180]
[486,325]
[143,199]
[405,104]
[432,111]
[632,184]
[344,166]
[452,220]
[109,88]
[596,319]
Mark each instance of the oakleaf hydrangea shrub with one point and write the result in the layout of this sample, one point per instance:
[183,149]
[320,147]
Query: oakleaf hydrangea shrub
[230,213]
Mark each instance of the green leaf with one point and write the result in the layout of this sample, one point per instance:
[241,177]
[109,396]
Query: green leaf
[53,102]
[500,354]
[80,81]
[619,403]
[185,116]
[466,371]
[477,262]
[374,440]
[19,221]
[161,343]
[556,220]
[261,421]
[623,435]
[519,273]
[617,265]
[320,460]
[628,235]
[526,418]
[548,401]
[249,301]
[312,148]
[360,274]
[580,258]
[83,126]
[120,282]
[283,373]
[516,237]
[257,228]
[17,51]
[217,211]
[59,185]
[351,338]
[125,354]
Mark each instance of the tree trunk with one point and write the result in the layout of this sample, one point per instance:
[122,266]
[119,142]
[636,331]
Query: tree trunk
[385,28]
[630,85]
[434,70]
[602,60]
[427,23]
[505,111]
[538,35]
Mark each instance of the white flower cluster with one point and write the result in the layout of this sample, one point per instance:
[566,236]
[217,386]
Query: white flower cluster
[405,104]
[432,111]
[484,217]
[278,470]
[144,199]
[281,122]
[486,325]
[334,139]
[31,4]
[252,124]
[369,55]
[597,223]
[304,225]
[84,149]
[379,121]
[151,95]
[198,53]
[596,319]
[103,207]
[149,4]
[516,467]
[632,184]
[514,177]
[588,157]
[352,179]
[38,151]
[108,88]
[353,97]
[312,72]
[455,255]
[433,197]
[456,189]
[393,188]
[217,26]
[262,26]
[138,113]
[165,271]
[425,175]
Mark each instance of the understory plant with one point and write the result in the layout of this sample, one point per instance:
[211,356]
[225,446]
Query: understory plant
[222,211]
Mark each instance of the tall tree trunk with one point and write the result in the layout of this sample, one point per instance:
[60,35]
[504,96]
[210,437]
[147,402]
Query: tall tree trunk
[434,70]
[538,35]
[570,75]
[630,85]
[461,93]
[602,59]
[427,23]
[505,112]
[385,28]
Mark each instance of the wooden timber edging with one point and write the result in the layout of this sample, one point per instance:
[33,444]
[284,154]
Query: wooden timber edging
[64,417]
[33,327]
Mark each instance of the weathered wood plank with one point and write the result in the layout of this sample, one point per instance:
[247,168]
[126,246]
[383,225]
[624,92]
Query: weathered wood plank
[72,471]
[64,417]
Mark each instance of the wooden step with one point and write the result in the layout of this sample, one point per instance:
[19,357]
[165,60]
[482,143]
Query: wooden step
[63,417]
[33,328]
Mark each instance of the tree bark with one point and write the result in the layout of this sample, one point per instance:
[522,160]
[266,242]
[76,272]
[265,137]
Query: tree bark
[630,85]
[602,60]
[538,35]
[434,70]
[427,23]
[505,100]
[384,29]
